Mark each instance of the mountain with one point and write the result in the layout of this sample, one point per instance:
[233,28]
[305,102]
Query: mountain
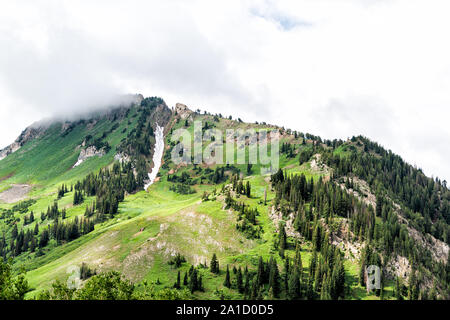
[73,209]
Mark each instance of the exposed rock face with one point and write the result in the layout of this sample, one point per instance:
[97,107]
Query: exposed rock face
[122,157]
[343,238]
[87,153]
[28,134]
[277,216]
[9,149]
[318,166]
[365,193]
[160,116]
[399,266]
[183,111]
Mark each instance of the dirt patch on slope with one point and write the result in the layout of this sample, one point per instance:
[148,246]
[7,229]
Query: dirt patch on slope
[318,167]
[16,193]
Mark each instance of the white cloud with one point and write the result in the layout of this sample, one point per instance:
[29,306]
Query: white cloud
[332,68]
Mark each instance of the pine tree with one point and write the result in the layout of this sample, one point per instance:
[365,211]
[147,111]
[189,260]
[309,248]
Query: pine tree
[294,284]
[193,283]
[274,279]
[397,289]
[239,282]
[200,283]
[282,240]
[247,282]
[214,265]
[227,282]
[260,276]
[248,189]
[178,283]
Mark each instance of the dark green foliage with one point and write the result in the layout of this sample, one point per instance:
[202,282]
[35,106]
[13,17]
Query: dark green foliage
[86,272]
[22,207]
[214,265]
[246,221]
[177,261]
[177,284]
[282,239]
[227,282]
[274,278]
[77,197]
[239,281]
[305,155]
[287,149]
[182,189]
[385,171]
[12,287]
[105,286]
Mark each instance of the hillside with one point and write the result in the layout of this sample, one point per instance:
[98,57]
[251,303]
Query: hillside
[72,196]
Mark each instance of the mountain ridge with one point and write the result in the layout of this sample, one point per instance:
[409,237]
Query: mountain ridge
[370,204]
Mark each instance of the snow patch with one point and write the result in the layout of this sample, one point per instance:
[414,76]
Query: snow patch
[157,155]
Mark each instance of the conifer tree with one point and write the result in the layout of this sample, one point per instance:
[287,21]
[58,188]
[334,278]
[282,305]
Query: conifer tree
[239,282]
[227,282]
[193,281]
[214,265]
[282,240]
[178,283]
[274,279]
[294,284]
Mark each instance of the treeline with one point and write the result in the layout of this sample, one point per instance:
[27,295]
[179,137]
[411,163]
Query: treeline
[32,239]
[108,186]
[325,278]
[99,142]
[239,187]
[315,206]
[182,182]
[199,175]
[288,149]
[386,172]
[246,220]
[181,189]
[137,142]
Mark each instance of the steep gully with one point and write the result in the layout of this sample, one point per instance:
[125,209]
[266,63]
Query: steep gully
[157,155]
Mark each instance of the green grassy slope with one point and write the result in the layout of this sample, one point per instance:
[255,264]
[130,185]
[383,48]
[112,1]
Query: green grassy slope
[47,161]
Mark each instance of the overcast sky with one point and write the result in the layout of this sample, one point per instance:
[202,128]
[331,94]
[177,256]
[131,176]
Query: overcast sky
[332,68]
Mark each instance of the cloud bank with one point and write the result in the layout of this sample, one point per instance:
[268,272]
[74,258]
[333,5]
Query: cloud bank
[331,68]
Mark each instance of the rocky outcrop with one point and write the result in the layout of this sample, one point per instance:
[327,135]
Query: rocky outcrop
[88,153]
[398,266]
[363,191]
[277,216]
[9,149]
[121,157]
[28,134]
[343,238]
[183,111]
[161,116]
